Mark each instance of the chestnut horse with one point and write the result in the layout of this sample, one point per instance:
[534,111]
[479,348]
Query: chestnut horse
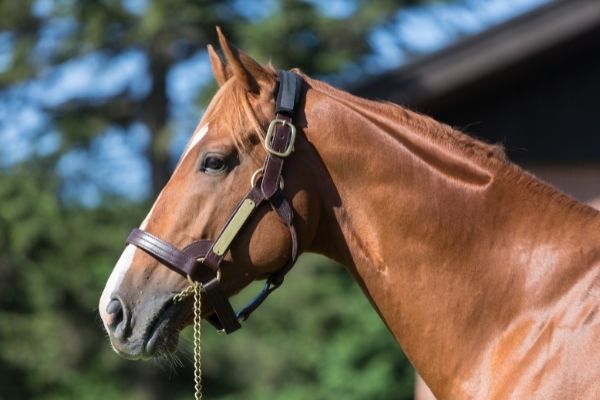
[487,278]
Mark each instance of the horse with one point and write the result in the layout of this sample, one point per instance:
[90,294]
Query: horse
[487,277]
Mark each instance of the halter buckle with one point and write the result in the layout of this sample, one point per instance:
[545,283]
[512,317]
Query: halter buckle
[270,134]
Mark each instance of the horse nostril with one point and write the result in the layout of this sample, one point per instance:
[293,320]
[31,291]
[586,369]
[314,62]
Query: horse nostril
[115,312]
[116,319]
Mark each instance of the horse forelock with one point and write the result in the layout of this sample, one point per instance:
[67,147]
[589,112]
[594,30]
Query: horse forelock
[232,111]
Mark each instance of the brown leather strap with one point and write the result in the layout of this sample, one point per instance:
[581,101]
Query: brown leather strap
[184,262]
[286,214]
[198,249]
[226,320]
[176,260]
[283,208]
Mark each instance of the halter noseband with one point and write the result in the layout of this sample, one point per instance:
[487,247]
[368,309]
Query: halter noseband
[201,260]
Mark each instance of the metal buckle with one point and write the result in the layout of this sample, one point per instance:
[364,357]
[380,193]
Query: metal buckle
[271,132]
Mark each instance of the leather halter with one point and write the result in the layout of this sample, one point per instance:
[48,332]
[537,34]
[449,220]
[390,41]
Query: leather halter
[201,260]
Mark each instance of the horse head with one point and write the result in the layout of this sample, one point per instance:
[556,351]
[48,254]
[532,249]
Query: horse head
[220,164]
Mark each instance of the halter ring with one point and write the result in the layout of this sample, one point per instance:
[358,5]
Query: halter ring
[258,173]
[193,282]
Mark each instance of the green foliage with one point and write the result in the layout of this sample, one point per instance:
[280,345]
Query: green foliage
[317,337]
[53,262]
[314,42]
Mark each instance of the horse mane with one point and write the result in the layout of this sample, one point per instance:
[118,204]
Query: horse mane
[234,98]
[492,155]
[513,173]
[434,130]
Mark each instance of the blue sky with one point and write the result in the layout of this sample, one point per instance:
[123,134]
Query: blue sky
[114,163]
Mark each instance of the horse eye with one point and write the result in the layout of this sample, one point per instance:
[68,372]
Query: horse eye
[213,163]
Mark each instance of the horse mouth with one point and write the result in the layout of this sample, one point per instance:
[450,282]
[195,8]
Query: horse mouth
[162,334]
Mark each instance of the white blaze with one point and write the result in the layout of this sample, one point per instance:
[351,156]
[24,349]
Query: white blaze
[116,277]
[196,137]
[124,262]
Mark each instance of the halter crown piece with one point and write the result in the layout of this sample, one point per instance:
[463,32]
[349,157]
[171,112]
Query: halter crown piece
[200,261]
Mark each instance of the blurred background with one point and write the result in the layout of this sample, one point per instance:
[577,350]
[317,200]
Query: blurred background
[98,98]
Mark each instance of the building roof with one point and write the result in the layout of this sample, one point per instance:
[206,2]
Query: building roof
[543,32]
[531,84]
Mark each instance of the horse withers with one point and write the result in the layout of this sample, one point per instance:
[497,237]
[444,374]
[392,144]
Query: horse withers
[487,278]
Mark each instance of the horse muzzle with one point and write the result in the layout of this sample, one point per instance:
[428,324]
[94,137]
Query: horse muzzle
[149,329]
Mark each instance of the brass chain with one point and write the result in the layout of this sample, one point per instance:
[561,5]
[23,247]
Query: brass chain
[179,297]
[195,289]
[197,342]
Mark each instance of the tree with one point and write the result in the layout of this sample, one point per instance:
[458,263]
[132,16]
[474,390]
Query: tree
[167,33]
[55,255]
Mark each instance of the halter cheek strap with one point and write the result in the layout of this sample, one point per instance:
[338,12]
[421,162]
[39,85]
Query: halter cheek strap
[201,260]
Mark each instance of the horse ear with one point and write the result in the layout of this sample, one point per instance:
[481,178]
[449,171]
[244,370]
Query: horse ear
[219,68]
[247,71]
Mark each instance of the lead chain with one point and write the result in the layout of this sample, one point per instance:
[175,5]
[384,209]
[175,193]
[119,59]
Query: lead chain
[197,342]
[196,290]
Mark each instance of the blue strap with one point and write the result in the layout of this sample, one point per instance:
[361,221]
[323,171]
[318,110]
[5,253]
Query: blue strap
[248,309]
[245,312]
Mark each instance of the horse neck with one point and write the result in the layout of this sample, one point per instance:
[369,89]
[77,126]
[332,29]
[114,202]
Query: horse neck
[445,237]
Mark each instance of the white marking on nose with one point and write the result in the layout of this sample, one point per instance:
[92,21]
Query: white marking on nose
[113,283]
[124,263]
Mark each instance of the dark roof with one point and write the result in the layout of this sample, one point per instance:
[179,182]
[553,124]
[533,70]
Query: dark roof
[530,35]
[533,79]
